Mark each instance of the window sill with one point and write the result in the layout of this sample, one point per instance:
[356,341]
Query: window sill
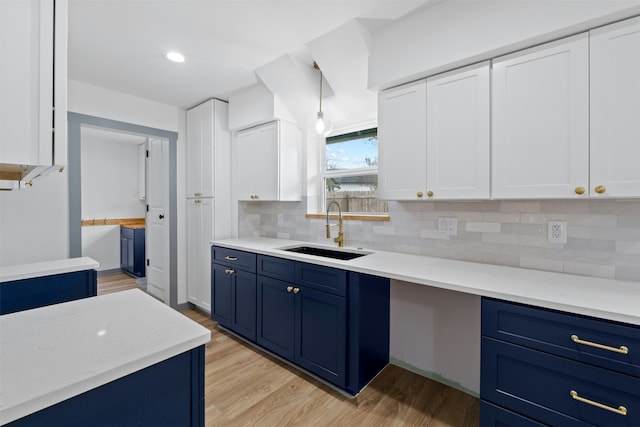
[351,217]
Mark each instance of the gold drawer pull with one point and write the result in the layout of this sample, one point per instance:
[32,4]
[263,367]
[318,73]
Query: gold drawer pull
[419,194]
[601,189]
[229,271]
[622,349]
[430,193]
[620,410]
[230,258]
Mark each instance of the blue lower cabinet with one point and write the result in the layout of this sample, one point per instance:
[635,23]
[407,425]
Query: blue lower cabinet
[169,393]
[233,299]
[132,250]
[276,316]
[321,334]
[37,292]
[495,416]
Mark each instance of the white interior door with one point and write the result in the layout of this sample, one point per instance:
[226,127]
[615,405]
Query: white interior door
[157,221]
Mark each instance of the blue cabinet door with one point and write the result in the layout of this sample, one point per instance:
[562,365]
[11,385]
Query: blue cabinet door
[221,289]
[320,334]
[276,316]
[243,304]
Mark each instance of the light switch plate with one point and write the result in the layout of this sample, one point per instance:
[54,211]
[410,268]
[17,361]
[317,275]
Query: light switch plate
[557,232]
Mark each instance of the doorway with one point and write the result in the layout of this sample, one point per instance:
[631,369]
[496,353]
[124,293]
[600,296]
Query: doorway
[164,237]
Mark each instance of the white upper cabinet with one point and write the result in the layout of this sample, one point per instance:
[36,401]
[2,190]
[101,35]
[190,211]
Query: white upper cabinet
[33,88]
[208,148]
[267,162]
[402,142]
[458,134]
[615,110]
[540,142]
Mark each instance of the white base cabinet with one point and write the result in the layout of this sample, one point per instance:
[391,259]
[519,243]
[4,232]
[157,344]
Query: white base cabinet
[208,193]
[267,162]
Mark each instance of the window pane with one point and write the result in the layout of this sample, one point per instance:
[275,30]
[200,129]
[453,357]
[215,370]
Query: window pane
[357,194]
[361,152]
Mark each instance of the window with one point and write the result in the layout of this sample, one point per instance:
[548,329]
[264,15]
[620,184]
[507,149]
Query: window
[351,173]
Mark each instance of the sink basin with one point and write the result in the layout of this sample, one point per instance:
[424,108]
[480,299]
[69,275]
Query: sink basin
[327,253]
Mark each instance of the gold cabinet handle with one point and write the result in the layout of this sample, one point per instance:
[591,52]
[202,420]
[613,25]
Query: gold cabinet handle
[620,410]
[256,197]
[198,201]
[230,258]
[580,190]
[289,288]
[296,290]
[430,193]
[600,189]
[229,271]
[197,194]
[622,349]
[419,194]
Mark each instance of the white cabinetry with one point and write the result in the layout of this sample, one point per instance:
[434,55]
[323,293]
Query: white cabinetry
[615,110]
[458,134]
[208,193]
[434,137]
[540,144]
[267,162]
[402,142]
[33,88]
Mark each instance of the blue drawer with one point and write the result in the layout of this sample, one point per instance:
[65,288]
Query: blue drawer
[551,331]
[322,278]
[277,268]
[234,258]
[495,416]
[540,385]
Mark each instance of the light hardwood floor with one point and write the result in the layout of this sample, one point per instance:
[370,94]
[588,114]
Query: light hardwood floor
[246,387]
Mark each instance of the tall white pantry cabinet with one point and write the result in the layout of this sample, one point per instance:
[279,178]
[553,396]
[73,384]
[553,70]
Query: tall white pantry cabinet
[208,193]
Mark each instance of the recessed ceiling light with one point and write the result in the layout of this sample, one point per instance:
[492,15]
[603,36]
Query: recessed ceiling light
[175,56]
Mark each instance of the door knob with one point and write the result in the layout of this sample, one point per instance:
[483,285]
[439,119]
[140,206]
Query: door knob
[161,216]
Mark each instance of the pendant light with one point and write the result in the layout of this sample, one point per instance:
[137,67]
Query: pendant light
[322,127]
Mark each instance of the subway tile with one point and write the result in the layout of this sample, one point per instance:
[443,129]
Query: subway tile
[628,273]
[632,248]
[589,269]
[483,227]
[501,259]
[520,207]
[593,220]
[384,230]
[542,264]
[506,239]
[524,229]
[578,231]
[629,221]
[565,206]
[433,234]
[502,217]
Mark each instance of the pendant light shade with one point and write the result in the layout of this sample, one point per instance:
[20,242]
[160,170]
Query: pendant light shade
[321,127]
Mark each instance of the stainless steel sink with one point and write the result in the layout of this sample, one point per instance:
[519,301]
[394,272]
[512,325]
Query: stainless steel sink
[325,252]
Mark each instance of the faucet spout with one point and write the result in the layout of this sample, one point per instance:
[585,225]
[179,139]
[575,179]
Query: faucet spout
[340,239]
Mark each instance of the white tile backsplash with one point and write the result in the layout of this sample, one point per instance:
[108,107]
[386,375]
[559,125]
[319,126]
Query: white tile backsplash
[603,235]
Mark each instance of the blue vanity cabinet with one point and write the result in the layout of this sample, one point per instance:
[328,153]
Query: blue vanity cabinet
[169,393]
[233,291]
[330,322]
[25,294]
[557,368]
[132,250]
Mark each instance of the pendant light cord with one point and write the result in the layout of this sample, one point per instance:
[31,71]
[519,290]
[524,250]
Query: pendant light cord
[320,90]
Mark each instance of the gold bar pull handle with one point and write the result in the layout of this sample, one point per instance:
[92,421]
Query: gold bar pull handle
[620,410]
[229,271]
[230,258]
[622,349]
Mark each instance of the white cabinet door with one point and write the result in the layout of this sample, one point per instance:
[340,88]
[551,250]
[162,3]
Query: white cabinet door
[200,220]
[541,121]
[267,163]
[402,142]
[200,150]
[458,134]
[615,110]
[28,31]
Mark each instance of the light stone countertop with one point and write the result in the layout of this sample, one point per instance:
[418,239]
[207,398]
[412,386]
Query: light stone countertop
[9,273]
[603,298]
[53,353]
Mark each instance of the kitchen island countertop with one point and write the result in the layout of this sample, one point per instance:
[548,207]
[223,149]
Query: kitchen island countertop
[10,273]
[602,298]
[53,353]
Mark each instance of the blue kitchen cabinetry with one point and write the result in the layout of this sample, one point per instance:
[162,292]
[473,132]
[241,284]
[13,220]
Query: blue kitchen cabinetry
[233,290]
[132,250]
[330,322]
[25,294]
[169,393]
[555,368]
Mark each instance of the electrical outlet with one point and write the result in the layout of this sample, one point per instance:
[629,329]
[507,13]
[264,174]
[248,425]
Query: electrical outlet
[448,226]
[557,232]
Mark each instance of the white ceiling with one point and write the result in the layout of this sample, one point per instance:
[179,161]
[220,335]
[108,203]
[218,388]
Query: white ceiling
[118,44]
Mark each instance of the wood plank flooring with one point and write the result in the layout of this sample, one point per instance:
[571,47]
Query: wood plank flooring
[246,387]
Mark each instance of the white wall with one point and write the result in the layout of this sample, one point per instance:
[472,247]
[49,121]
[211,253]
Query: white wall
[449,34]
[102,243]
